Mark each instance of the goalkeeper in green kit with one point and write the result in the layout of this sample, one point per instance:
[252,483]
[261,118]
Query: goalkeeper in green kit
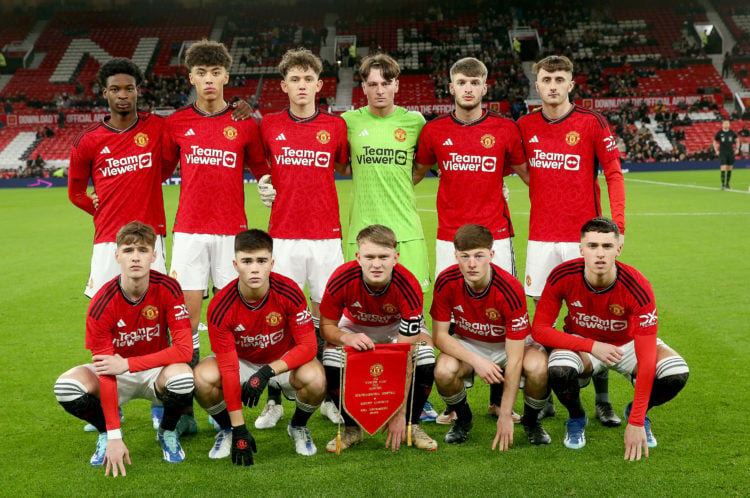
[383,139]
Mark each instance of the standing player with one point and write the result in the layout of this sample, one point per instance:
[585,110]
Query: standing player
[565,146]
[473,149]
[491,338]
[726,145]
[261,332]
[376,300]
[304,145]
[133,354]
[383,138]
[611,323]
[212,149]
[122,157]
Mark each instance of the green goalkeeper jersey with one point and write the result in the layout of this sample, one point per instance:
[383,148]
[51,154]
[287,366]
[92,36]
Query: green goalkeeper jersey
[382,153]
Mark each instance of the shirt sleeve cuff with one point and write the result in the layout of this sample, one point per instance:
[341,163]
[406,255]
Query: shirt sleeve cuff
[114,434]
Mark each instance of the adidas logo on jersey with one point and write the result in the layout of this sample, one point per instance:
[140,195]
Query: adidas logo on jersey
[121,323]
[577,304]
[459,308]
[363,133]
[189,133]
[448,142]
[534,140]
[356,304]
[239,328]
[105,150]
[281,137]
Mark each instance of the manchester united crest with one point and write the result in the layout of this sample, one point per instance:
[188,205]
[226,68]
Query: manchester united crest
[389,309]
[376,370]
[323,137]
[399,134]
[528,281]
[230,132]
[572,138]
[273,319]
[617,309]
[141,140]
[150,312]
[492,314]
[488,141]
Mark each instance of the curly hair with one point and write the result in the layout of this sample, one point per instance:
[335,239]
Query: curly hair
[119,65]
[207,53]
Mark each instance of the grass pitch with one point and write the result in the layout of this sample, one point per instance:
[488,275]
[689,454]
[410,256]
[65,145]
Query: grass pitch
[686,236]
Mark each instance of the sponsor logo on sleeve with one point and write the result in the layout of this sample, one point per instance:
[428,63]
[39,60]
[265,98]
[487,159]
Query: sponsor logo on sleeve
[180,312]
[648,320]
[610,143]
[519,324]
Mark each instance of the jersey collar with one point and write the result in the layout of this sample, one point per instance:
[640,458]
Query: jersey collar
[213,115]
[561,118]
[297,119]
[485,114]
[111,128]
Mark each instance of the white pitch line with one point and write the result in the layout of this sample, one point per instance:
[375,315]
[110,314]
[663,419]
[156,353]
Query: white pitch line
[699,187]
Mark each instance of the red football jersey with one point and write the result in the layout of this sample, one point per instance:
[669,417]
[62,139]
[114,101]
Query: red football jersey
[564,158]
[491,316]
[623,312]
[212,149]
[127,170]
[138,331]
[472,158]
[347,294]
[302,154]
[279,326]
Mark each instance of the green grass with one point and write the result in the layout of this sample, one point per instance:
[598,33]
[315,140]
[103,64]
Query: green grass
[691,243]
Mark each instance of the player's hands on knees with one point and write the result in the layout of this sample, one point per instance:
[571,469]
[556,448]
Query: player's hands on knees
[243,446]
[116,456]
[242,111]
[396,432]
[635,443]
[608,353]
[360,342]
[488,371]
[105,364]
[253,388]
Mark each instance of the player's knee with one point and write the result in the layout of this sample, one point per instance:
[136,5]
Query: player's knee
[671,376]
[74,398]
[446,370]
[535,368]
[67,389]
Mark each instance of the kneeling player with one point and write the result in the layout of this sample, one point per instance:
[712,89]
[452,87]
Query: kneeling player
[376,300]
[611,323]
[261,332]
[491,334]
[133,355]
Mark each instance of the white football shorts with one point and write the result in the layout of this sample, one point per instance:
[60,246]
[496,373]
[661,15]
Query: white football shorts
[104,266]
[504,257]
[308,262]
[542,258]
[198,256]
[135,385]
[281,381]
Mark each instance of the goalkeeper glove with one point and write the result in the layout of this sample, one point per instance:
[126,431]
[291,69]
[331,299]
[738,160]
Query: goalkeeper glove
[253,388]
[243,446]
[266,191]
